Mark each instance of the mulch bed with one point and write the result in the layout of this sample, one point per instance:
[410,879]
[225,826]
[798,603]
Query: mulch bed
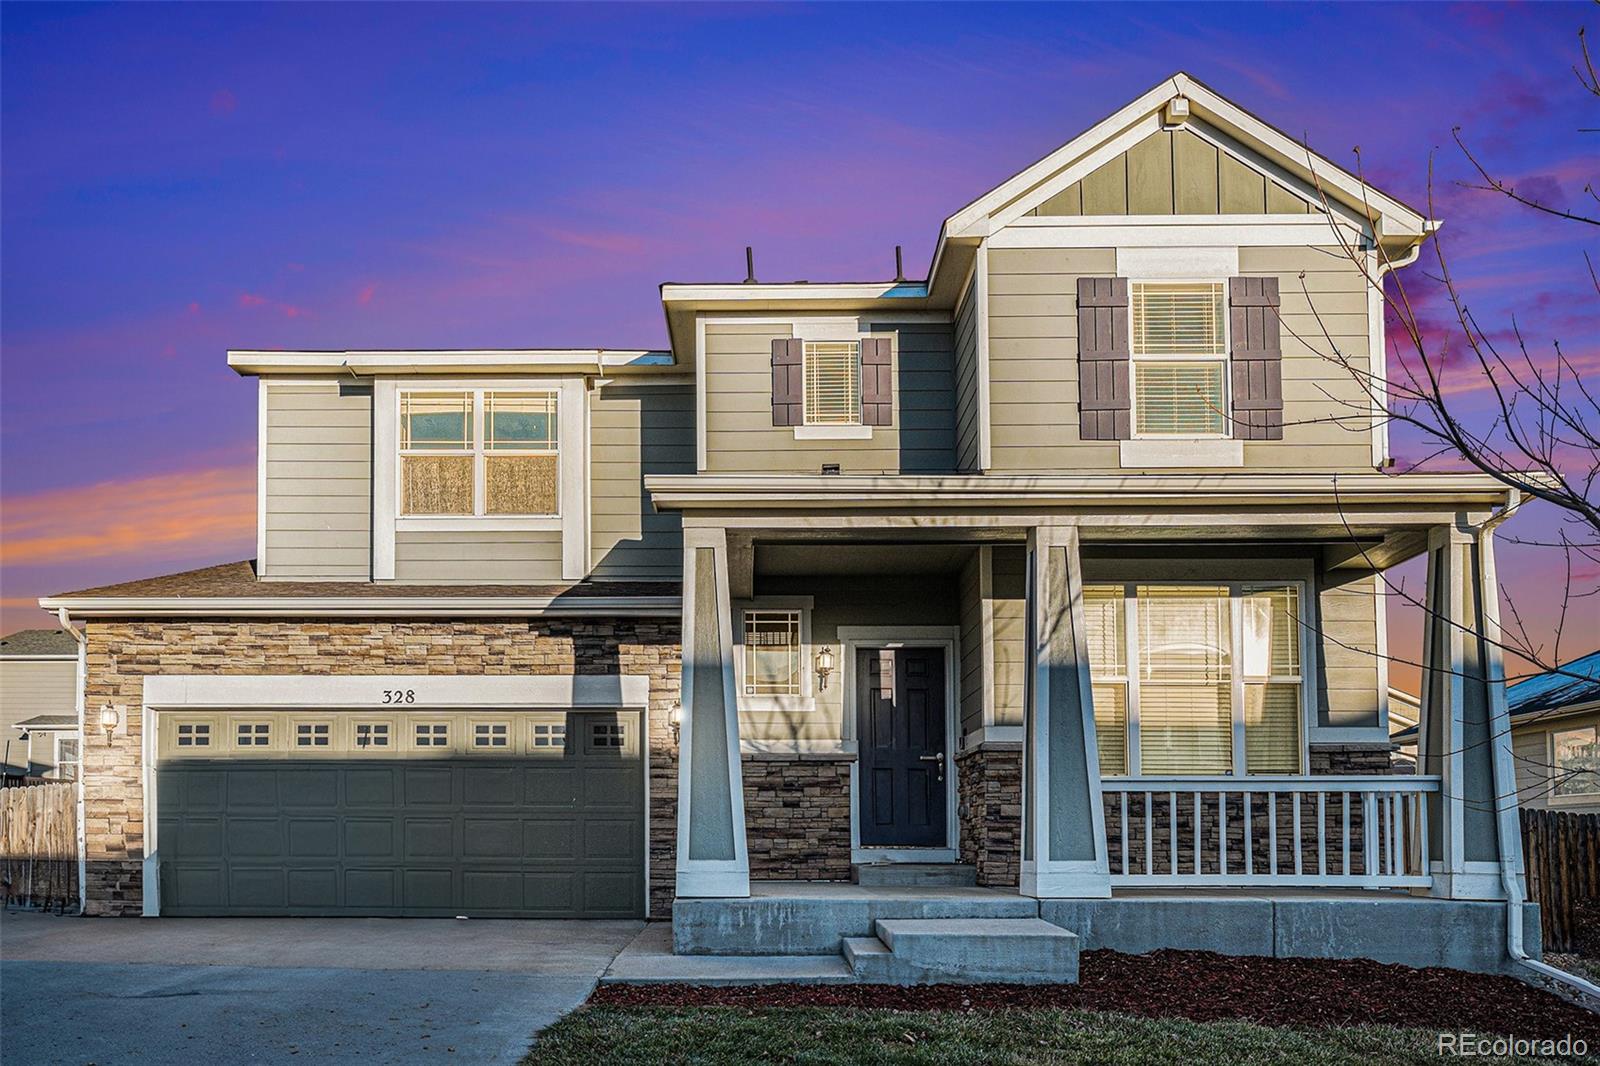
[1200,986]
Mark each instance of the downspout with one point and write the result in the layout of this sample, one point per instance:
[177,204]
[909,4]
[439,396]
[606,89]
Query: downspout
[1508,829]
[83,750]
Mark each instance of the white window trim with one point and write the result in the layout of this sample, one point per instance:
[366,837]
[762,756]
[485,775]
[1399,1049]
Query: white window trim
[1238,680]
[806,701]
[64,737]
[573,449]
[1560,801]
[825,334]
[1225,360]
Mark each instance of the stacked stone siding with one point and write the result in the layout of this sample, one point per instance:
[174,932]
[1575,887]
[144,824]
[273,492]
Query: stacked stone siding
[989,794]
[797,817]
[121,654]
[1352,758]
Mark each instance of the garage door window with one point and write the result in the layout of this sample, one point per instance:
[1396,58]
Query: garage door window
[549,736]
[252,734]
[313,735]
[493,736]
[433,734]
[608,735]
[194,734]
[372,735]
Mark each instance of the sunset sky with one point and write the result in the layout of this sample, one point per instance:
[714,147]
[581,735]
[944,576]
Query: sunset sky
[179,180]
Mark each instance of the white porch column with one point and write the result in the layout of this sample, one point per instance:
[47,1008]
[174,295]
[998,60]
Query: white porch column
[712,859]
[1063,824]
[1465,733]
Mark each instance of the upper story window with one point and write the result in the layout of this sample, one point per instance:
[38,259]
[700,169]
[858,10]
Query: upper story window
[1179,351]
[833,383]
[479,452]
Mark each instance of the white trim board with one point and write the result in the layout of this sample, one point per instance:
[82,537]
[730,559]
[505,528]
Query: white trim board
[579,691]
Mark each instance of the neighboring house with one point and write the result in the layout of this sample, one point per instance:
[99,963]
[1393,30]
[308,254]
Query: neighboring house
[39,703]
[1555,736]
[1050,571]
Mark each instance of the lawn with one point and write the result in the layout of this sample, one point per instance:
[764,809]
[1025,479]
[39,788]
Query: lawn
[815,1035]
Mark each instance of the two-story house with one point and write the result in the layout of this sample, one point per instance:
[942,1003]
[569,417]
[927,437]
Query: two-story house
[1047,581]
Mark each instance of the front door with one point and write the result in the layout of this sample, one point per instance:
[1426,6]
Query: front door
[900,709]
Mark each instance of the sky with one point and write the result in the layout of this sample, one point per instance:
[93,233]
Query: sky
[178,180]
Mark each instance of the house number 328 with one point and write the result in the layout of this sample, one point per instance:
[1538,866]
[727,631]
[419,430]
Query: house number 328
[399,695]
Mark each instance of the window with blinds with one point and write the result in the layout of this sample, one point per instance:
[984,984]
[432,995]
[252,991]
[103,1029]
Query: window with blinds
[479,452]
[1163,664]
[1179,355]
[832,383]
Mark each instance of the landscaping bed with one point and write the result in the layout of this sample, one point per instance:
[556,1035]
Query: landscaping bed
[1196,986]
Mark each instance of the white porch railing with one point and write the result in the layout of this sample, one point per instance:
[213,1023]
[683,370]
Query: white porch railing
[1319,831]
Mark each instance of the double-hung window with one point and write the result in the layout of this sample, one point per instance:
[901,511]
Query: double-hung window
[479,452]
[1575,763]
[1179,353]
[1202,679]
[832,383]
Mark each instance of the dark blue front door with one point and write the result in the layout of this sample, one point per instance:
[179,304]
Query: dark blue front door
[900,709]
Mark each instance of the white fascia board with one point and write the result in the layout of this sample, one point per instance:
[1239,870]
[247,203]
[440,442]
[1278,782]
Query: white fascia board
[367,606]
[737,293]
[544,360]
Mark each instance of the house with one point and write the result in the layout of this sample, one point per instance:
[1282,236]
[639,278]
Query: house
[1041,589]
[39,704]
[1555,745]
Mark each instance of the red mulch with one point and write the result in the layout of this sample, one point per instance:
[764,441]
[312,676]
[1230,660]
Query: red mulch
[1200,986]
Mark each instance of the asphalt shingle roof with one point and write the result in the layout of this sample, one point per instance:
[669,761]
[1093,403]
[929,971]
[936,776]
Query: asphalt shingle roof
[26,642]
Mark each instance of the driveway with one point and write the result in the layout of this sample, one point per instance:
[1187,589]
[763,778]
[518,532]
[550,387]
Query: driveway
[235,990]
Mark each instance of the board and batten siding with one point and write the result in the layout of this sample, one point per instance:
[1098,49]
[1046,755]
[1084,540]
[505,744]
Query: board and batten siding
[740,436]
[1033,365]
[318,483]
[968,433]
[636,431]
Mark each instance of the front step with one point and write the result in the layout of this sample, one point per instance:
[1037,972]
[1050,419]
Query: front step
[936,874]
[964,951]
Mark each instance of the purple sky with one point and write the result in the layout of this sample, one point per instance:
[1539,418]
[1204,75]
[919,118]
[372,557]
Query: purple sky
[179,180]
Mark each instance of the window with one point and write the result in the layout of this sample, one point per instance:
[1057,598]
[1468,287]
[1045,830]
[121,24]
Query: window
[772,653]
[312,734]
[252,734]
[1575,762]
[1179,353]
[372,735]
[194,735]
[607,734]
[67,758]
[1177,709]
[491,734]
[549,735]
[833,383]
[478,453]
[432,734]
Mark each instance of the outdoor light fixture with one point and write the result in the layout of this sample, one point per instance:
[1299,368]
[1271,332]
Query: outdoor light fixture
[675,719]
[824,666]
[108,720]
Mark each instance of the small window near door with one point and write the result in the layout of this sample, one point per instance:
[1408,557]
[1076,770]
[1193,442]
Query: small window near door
[772,653]
[67,758]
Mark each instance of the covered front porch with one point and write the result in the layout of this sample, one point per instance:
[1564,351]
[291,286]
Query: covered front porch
[1006,685]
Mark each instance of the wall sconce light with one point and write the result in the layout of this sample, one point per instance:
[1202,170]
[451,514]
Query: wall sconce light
[675,719]
[824,666]
[108,720]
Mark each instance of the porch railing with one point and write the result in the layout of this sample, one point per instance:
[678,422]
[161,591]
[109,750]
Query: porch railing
[1318,831]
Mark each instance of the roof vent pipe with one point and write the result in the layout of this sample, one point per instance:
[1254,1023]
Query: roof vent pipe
[899,266]
[749,265]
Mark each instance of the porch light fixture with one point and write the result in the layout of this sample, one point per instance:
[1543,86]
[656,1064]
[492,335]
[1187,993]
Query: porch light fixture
[824,666]
[675,719]
[108,720]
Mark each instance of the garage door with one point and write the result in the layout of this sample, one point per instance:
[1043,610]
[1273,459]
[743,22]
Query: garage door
[514,815]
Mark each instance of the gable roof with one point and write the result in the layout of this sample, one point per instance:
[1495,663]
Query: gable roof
[38,643]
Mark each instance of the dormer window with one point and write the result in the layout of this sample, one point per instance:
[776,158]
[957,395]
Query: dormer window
[479,452]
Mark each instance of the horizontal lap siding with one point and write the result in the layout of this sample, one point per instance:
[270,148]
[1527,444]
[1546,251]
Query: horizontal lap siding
[1347,686]
[966,371]
[451,558]
[636,431]
[1010,627]
[319,483]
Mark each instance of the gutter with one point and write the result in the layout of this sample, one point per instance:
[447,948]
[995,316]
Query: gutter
[79,700]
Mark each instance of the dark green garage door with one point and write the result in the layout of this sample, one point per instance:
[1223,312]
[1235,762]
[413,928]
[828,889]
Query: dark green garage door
[556,836]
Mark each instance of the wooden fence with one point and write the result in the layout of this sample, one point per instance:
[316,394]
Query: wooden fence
[39,845]
[1562,853]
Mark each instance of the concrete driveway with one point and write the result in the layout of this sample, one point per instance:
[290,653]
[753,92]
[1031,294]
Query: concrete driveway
[234,990]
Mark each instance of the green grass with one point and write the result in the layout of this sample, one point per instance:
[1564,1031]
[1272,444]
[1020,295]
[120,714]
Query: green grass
[736,1035]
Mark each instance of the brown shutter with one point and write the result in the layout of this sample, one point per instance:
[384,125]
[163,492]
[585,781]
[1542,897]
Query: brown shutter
[788,384]
[1103,358]
[1256,346]
[877,381]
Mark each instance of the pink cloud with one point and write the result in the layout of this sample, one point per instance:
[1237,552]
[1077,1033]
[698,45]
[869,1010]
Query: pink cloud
[250,299]
[368,291]
[223,102]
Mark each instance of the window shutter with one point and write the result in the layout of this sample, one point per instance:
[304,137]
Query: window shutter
[1103,358]
[877,381]
[788,389]
[1257,351]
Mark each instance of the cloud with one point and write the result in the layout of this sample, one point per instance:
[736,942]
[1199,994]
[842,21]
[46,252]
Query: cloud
[223,102]
[250,300]
[368,291]
[156,516]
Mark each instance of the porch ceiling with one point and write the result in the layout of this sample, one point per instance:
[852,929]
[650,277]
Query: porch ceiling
[800,559]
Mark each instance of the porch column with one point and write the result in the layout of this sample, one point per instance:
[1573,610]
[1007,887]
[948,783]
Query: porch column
[712,859]
[1063,825]
[1465,733]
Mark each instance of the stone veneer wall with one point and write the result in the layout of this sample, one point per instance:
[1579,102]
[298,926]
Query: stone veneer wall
[122,653]
[989,798]
[797,817]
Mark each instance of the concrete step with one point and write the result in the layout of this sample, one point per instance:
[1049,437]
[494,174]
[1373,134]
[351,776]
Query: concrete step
[966,950]
[868,958]
[913,873]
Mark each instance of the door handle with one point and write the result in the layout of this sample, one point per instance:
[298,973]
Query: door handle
[939,758]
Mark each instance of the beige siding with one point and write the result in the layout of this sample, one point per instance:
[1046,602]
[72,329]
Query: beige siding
[1347,686]
[636,431]
[319,483]
[30,688]
[966,373]
[469,558]
[740,436]
[1530,747]
[1009,586]
[972,645]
